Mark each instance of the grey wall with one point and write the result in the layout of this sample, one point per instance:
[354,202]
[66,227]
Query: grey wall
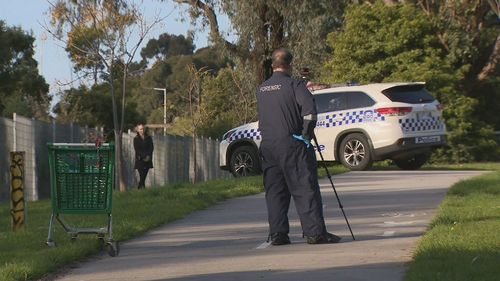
[173,156]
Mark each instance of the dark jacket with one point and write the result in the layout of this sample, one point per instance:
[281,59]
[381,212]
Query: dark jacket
[143,152]
[285,107]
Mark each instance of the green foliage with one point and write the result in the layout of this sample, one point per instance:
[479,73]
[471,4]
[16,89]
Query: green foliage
[92,107]
[262,26]
[22,89]
[399,43]
[167,45]
[172,74]
[391,44]
[227,102]
[94,32]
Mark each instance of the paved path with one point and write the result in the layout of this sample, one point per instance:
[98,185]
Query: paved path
[388,212]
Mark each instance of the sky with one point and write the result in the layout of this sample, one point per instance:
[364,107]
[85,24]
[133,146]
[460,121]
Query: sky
[53,61]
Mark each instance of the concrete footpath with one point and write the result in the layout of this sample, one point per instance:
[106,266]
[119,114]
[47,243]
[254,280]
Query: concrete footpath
[388,212]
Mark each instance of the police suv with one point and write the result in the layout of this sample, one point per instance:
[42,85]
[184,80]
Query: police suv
[356,126]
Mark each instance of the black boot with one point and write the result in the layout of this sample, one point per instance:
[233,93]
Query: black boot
[279,238]
[325,238]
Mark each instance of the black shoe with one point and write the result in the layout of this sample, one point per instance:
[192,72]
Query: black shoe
[279,238]
[326,238]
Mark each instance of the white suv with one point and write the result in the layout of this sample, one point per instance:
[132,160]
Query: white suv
[356,126]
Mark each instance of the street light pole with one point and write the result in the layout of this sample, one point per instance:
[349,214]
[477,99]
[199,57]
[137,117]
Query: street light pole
[164,108]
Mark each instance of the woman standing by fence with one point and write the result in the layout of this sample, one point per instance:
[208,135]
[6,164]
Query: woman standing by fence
[143,146]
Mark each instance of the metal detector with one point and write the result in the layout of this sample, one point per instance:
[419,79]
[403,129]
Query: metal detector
[333,186]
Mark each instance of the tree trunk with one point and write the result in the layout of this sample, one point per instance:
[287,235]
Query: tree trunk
[492,62]
[195,159]
[193,124]
[118,134]
[119,160]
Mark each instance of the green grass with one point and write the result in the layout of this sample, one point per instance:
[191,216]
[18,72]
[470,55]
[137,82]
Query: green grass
[463,242]
[24,255]
[333,169]
[388,165]
[472,210]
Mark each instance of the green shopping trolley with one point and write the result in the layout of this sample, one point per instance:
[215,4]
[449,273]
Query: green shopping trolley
[82,178]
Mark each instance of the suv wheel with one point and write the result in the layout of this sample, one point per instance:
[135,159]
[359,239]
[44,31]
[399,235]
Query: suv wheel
[244,162]
[413,162]
[355,153]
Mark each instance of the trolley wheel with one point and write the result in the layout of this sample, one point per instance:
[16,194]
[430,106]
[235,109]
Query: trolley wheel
[113,248]
[51,244]
[102,242]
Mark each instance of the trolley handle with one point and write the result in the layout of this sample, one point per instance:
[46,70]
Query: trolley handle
[79,144]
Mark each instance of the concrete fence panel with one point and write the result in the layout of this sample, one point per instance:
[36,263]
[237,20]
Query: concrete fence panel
[173,155]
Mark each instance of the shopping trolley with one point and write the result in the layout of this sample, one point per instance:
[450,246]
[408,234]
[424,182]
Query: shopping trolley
[81,176]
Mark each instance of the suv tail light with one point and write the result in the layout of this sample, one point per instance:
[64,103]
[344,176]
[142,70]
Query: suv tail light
[394,111]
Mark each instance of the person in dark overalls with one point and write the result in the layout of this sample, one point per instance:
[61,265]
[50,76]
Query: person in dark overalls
[287,118]
[143,146]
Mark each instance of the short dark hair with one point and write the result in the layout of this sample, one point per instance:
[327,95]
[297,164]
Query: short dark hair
[282,58]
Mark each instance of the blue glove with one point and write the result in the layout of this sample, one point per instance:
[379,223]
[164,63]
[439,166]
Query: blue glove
[302,139]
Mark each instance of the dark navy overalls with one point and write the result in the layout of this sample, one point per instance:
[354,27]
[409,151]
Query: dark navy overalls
[289,167]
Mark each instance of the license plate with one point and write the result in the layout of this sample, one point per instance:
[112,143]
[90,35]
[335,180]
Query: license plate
[427,139]
[423,115]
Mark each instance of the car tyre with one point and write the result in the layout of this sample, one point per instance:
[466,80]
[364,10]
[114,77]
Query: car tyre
[355,152]
[413,162]
[245,162]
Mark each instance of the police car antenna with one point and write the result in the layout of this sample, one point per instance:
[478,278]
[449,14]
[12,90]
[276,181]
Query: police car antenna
[333,186]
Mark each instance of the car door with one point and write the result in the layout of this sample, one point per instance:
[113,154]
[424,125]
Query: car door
[331,110]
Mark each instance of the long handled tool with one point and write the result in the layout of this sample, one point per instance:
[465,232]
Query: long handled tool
[333,186]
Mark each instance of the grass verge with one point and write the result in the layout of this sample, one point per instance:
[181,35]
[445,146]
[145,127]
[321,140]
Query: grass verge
[463,242]
[24,255]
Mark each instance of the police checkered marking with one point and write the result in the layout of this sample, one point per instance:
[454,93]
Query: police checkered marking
[248,134]
[414,125]
[352,117]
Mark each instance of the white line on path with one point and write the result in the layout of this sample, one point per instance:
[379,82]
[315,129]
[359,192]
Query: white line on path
[388,233]
[263,245]
[393,223]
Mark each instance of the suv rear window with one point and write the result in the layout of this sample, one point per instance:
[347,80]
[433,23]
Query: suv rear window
[409,94]
[342,101]
[358,100]
[330,102]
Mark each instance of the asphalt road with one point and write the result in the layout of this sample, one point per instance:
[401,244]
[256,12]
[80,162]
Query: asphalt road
[388,212]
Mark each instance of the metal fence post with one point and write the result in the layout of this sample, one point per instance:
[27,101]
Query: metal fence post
[53,130]
[34,194]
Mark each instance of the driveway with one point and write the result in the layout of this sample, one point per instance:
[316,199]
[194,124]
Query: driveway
[388,212]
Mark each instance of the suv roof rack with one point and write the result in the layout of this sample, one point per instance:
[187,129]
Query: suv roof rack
[320,86]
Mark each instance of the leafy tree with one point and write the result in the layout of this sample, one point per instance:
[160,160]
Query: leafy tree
[167,45]
[178,79]
[228,101]
[469,32]
[22,89]
[398,43]
[90,107]
[262,26]
[97,33]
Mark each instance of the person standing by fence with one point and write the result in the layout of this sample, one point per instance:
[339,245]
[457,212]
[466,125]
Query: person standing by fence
[143,146]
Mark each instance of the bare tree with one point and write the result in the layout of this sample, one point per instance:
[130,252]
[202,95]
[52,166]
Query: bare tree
[195,110]
[98,33]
